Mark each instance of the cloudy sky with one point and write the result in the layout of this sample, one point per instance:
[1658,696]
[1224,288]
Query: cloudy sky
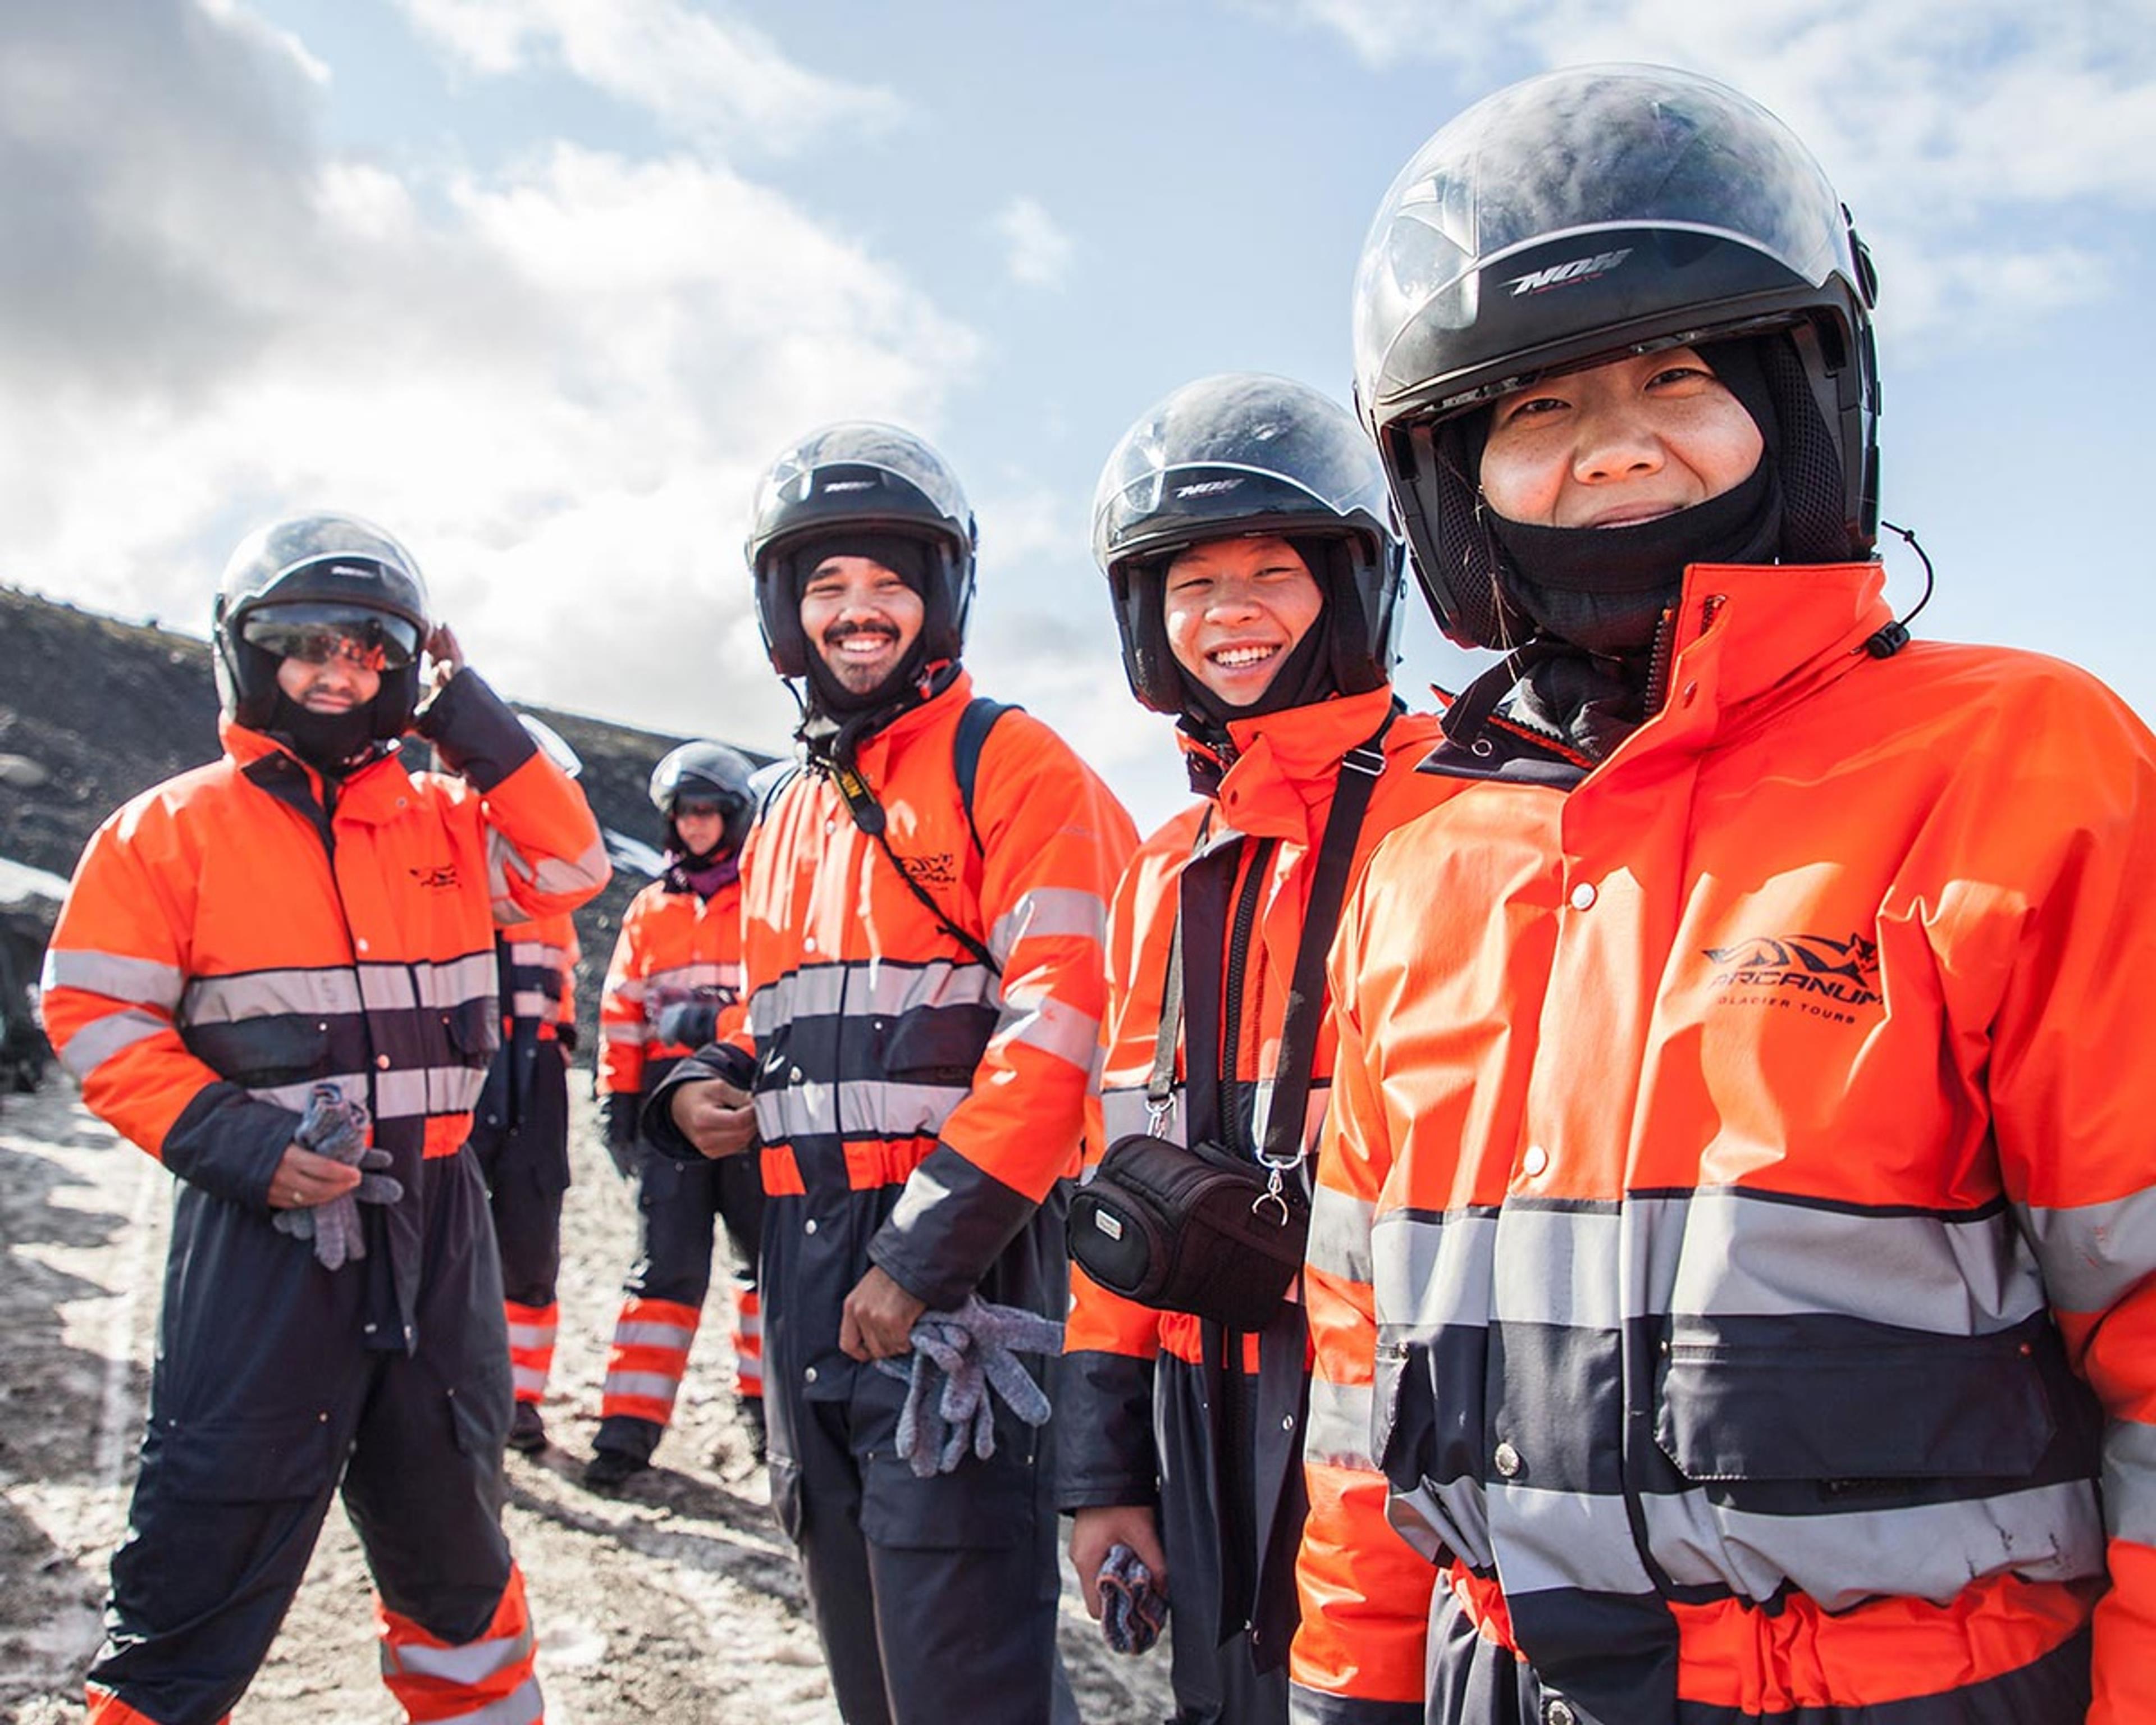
[540,284]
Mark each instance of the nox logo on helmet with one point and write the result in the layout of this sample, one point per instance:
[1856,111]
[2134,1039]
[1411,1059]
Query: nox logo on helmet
[1577,269]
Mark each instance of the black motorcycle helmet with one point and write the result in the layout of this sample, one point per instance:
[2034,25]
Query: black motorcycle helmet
[1582,217]
[335,571]
[706,773]
[859,477]
[1243,455]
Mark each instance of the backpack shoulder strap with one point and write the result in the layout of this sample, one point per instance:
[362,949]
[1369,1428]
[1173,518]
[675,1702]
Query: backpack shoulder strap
[974,725]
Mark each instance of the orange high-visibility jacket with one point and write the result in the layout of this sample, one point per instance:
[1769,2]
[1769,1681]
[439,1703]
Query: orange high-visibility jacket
[1740,1170]
[225,946]
[915,1108]
[542,973]
[1279,788]
[675,946]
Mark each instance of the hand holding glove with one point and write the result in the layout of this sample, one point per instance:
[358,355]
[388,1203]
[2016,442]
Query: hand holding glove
[338,1129]
[1132,1607]
[975,1350]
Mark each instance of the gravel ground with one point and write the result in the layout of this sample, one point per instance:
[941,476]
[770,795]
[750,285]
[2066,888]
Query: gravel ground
[677,1600]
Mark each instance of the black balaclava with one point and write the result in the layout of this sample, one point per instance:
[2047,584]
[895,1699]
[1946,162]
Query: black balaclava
[1605,589]
[836,718]
[1307,676]
[331,743]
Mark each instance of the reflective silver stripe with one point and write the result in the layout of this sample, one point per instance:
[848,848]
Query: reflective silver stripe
[1049,912]
[1742,1254]
[530,1003]
[142,982]
[869,989]
[1054,1027]
[646,1386]
[643,1332]
[351,1085]
[433,1090]
[1556,1267]
[686,978]
[522,1705]
[264,993]
[1340,1234]
[628,988]
[2129,1480]
[401,986]
[1563,1539]
[97,1041]
[532,1335]
[629,1036]
[1338,1431]
[1929,1551]
[539,955]
[1436,1522]
[2092,1254]
[529,1378]
[469,1663]
[889,1111]
[1425,1276]
[550,876]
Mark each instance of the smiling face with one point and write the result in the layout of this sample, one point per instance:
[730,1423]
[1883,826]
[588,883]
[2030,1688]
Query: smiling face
[1617,445]
[861,619]
[1236,608]
[700,826]
[336,684]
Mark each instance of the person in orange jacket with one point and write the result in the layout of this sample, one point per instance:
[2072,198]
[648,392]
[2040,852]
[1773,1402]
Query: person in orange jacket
[674,984]
[1734,1223]
[923,910]
[246,953]
[1244,527]
[521,1131]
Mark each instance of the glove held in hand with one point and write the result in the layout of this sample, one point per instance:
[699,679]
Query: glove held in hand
[974,1349]
[338,1129]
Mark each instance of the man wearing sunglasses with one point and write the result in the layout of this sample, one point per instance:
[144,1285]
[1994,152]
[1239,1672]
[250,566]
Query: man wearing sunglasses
[268,970]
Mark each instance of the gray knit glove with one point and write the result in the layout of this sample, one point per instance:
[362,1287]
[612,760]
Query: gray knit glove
[958,1356]
[338,1129]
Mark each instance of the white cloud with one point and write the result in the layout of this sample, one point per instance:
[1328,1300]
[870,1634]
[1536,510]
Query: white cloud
[556,382]
[1953,127]
[1036,252]
[703,76]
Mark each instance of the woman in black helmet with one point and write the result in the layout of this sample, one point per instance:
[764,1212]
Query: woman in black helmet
[1743,1185]
[1242,527]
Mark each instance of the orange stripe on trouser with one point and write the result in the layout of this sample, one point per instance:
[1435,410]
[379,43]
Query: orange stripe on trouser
[531,1330]
[748,1341]
[649,1354]
[486,1682]
[106,1709]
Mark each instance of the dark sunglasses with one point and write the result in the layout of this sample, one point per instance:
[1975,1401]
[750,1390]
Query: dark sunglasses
[316,634]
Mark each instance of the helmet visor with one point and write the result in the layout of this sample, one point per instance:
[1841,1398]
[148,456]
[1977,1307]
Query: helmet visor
[1239,453]
[1585,154]
[318,633]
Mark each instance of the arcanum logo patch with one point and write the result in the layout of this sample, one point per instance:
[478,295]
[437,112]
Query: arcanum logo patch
[1825,975]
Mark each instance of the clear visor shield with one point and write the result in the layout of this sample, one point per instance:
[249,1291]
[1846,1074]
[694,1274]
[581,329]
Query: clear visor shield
[1584,151]
[316,635]
[1233,453]
[792,480]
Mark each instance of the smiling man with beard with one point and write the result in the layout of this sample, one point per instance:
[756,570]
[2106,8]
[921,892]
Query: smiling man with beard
[924,908]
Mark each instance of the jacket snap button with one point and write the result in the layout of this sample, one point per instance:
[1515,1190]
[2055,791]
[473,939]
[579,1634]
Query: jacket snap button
[1507,1460]
[1583,896]
[1536,1161]
[382,1061]
[1560,1713]
[1287,1422]
[809,1375]
[808,1226]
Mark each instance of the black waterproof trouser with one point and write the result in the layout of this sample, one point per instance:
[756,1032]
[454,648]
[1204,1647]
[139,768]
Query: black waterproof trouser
[266,1400]
[678,1205]
[525,1159]
[936,1599]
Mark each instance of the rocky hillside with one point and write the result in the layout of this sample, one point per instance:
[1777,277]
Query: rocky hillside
[94,710]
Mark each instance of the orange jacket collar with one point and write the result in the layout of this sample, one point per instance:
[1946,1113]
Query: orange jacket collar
[1289,761]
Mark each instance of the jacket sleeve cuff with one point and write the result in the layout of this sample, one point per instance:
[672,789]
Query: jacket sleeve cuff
[952,1221]
[475,732]
[229,1144]
[716,1060]
[1104,1445]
